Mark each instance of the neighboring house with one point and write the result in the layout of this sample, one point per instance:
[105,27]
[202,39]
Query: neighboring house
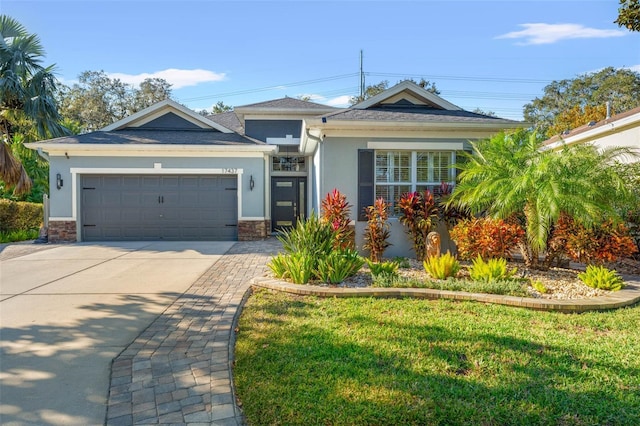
[620,130]
[169,173]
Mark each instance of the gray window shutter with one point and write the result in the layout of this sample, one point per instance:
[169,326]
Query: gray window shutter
[366,181]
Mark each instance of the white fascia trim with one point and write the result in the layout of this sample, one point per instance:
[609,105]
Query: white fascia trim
[598,132]
[256,218]
[151,150]
[419,126]
[417,146]
[61,218]
[155,171]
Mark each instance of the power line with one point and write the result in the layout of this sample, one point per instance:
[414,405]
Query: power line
[462,78]
[274,87]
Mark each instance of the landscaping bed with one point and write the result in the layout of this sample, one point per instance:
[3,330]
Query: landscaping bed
[559,283]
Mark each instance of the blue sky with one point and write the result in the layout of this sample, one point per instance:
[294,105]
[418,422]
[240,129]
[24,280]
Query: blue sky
[493,55]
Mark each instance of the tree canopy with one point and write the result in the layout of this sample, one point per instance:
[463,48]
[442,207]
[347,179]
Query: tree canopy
[98,100]
[629,15]
[28,110]
[588,92]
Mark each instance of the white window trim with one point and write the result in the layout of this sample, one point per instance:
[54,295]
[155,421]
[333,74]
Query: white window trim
[413,183]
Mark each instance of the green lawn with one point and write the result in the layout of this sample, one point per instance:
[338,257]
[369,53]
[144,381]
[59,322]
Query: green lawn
[365,361]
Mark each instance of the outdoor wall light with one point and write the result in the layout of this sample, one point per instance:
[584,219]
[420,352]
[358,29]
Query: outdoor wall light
[251,183]
[59,181]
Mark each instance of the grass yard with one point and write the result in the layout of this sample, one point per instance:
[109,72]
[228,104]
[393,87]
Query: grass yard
[366,361]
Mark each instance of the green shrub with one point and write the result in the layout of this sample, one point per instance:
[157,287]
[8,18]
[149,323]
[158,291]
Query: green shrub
[309,254]
[338,265]
[300,267]
[19,215]
[382,268]
[602,278]
[492,270]
[441,267]
[279,266]
[22,235]
[310,235]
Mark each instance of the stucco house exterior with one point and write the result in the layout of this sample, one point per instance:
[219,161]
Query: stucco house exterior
[620,130]
[169,173]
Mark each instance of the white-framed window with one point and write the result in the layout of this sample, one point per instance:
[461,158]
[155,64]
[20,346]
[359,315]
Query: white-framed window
[398,172]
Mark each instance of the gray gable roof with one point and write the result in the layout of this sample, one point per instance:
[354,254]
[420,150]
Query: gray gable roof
[133,136]
[414,113]
[287,103]
[229,120]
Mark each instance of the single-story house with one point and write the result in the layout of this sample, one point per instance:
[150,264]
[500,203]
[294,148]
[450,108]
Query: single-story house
[620,130]
[169,173]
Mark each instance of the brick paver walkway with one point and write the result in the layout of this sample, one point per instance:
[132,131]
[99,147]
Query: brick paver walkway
[178,370]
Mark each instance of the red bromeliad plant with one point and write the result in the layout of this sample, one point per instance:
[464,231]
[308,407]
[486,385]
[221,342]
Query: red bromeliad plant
[377,232]
[335,210]
[418,212]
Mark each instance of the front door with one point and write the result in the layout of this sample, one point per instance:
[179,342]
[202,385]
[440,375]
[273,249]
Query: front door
[288,195]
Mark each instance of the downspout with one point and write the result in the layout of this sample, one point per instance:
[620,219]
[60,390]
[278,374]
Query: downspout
[43,154]
[316,171]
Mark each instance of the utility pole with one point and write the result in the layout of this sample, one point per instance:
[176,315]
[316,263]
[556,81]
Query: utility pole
[361,77]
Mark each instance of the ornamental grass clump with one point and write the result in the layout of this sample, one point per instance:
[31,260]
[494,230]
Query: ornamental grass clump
[492,270]
[602,278]
[313,250]
[382,268]
[338,266]
[442,267]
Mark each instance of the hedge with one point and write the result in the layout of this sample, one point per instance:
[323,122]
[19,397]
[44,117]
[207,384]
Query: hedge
[19,215]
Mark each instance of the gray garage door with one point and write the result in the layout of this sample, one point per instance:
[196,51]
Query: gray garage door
[149,207]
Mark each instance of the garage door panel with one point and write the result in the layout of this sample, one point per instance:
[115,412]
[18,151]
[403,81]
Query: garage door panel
[132,207]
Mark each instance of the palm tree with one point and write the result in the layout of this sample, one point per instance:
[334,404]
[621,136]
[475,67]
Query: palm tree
[27,104]
[510,175]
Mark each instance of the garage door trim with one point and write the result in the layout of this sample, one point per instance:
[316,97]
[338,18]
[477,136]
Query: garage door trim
[76,173]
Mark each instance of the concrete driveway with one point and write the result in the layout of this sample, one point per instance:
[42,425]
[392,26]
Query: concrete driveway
[67,311]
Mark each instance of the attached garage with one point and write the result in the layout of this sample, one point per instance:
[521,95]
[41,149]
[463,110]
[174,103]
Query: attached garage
[159,207]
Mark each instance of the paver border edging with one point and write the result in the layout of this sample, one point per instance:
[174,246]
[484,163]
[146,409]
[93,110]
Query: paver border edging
[630,295]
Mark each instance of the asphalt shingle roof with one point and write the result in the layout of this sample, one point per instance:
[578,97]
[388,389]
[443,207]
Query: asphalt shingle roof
[423,114]
[229,120]
[156,137]
[288,103]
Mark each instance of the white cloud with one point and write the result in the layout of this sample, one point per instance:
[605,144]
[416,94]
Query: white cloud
[177,78]
[635,68]
[340,101]
[311,96]
[540,33]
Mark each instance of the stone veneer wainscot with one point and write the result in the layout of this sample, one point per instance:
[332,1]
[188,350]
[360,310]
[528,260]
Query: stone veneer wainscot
[62,231]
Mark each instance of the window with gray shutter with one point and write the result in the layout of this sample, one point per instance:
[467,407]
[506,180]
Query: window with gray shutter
[366,181]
